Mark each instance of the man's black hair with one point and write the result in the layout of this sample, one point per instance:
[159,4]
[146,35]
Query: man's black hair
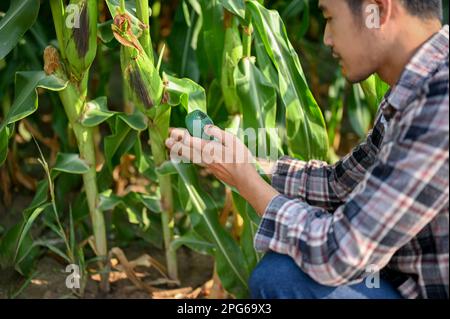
[421,8]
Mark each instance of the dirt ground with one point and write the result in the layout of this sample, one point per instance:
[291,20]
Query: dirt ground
[195,272]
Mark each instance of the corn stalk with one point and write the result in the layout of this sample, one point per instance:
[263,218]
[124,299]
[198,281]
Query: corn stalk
[146,91]
[143,14]
[78,47]
[158,129]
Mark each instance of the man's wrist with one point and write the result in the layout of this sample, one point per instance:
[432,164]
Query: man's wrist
[256,191]
[248,180]
[267,167]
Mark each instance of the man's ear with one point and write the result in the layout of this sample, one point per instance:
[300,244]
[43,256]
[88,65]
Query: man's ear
[379,10]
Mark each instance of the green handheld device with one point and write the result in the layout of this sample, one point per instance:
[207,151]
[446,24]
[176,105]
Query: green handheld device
[197,117]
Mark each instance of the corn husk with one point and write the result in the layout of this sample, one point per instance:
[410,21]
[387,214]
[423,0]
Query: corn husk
[233,53]
[140,74]
[80,39]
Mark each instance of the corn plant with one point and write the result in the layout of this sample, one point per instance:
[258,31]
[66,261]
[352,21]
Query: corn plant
[250,98]
[78,47]
[67,71]
[72,253]
[153,96]
[146,90]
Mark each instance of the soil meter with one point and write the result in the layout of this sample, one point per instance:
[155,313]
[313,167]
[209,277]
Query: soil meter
[196,118]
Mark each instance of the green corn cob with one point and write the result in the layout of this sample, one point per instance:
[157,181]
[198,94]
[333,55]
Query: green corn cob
[204,119]
[140,74]
[81,40]
[233,52]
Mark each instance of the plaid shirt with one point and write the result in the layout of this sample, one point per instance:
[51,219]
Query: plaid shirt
[384,206]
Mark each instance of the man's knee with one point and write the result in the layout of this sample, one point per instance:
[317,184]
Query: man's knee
[263,276]
[278,276]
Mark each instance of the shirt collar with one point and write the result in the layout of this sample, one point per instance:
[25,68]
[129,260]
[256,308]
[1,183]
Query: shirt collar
[424,63]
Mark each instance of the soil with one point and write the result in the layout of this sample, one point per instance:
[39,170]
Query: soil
[50,277]
[49,282]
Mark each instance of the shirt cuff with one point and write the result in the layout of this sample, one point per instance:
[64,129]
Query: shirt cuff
[279,216]
[286,173]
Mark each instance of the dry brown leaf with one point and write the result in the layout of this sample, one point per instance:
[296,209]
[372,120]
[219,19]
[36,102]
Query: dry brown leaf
[172,293]
[5,186]
[216,290]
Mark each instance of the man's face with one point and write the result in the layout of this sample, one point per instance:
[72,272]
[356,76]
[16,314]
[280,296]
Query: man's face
[351,41]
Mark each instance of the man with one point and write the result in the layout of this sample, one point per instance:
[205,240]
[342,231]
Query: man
[385,206]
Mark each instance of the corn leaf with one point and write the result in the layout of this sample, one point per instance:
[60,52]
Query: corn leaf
[26,227]
[48,244]
[23,260]
[97,112]
[136,121]
[359,113]
[251,220]
[108,200]
[40,196]
[26,97]
[183,40]
[186,93]
[374,90]
[17,20]
[121,140]
[265,63]
[294,8]
[230,260]
[306,132]
[237,7]
[232,54]
[195,242]
[4,141]
[104,32]
[213,35]
[25,102]
[259,104]
[70,163]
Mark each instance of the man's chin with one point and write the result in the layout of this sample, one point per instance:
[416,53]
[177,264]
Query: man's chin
[353,78]
[349,78]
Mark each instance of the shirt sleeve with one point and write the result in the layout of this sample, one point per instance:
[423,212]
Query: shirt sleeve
[403,191]
[327,186]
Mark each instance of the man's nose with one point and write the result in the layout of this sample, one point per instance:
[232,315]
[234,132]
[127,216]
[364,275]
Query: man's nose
[327,40]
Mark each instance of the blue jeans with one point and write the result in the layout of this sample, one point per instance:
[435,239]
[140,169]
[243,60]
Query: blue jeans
[278,277]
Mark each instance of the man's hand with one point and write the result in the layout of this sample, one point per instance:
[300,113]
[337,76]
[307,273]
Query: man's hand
[227,158]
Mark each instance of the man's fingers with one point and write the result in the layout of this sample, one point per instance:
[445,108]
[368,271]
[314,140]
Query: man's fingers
[183,136]
[182,152]
[179,151]
[198,143]
[198,150]
[178,134]
[221,136]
